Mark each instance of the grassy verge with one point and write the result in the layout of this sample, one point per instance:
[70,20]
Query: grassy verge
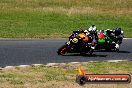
[58,18]
[61,75]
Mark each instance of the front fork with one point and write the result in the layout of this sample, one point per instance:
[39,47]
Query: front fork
[91,47]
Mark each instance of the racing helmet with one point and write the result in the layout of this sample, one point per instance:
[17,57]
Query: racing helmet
[108,31]
[117,31]
[86,32]
[92,28]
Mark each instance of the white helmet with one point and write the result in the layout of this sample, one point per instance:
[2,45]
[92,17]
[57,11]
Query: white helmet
[86,31]
[92,28]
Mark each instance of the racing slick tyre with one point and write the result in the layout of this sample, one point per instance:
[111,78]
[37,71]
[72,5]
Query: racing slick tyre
[91,51]
[83,53]
[108,48]
[116,50]
[63,49]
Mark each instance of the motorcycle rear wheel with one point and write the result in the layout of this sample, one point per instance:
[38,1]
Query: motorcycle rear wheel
[91,51]
[116,50]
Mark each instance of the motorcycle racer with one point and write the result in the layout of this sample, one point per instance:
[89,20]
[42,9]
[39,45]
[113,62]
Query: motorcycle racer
[118,35]
[91,32]
[115,34]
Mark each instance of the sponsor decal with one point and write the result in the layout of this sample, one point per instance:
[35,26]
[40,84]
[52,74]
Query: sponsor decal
[83,78]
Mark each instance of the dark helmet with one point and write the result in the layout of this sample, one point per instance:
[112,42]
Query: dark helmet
[117,31]
[108,31]
[93,25]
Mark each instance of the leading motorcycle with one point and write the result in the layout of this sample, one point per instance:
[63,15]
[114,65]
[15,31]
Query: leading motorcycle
[78,42]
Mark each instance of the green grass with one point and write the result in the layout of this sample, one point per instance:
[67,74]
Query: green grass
[40,76]
[58,18]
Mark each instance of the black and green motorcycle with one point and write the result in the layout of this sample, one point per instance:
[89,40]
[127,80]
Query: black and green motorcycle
[104,42]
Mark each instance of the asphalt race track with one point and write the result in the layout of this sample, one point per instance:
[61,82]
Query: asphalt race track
[27,52]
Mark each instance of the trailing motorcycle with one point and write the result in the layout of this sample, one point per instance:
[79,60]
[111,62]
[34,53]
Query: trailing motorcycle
[107,42]
[78,42]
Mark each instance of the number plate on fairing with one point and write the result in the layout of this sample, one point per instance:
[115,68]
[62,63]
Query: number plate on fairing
[68,43]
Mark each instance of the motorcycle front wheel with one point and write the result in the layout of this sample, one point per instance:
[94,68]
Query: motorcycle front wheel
[63,49]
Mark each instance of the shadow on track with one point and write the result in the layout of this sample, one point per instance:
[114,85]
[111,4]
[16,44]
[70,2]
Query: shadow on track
[86,55]
[114,51]
[124,52]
